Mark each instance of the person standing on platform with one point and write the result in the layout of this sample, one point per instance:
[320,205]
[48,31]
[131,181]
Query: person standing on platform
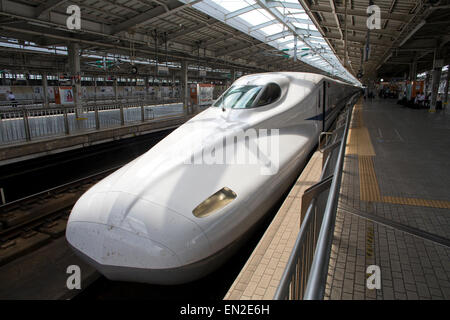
[12,98]
[438,102]
[422,99]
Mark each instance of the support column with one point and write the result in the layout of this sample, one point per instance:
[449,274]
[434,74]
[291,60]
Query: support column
[45,89]
[173,85]
[413,71]
[147,86]
[95,88]
[116,90]
[233,75]
[437,71]
[74,66]
[427,82]
[184,84]
[445,99]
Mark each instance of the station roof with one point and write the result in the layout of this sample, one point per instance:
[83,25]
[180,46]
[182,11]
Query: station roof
[409,30]
[284,25]
[247,35]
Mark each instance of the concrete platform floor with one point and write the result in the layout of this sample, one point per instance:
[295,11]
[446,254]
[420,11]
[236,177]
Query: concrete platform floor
[394,205]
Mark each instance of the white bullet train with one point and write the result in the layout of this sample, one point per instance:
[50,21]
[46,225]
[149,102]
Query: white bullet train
[180,210]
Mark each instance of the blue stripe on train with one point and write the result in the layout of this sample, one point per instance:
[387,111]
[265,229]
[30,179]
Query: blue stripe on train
[320,115]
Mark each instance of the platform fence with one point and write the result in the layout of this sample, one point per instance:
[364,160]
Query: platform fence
[22,124]
[306,272]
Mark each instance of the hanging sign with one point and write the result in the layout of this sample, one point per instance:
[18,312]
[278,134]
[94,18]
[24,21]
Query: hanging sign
[163,70]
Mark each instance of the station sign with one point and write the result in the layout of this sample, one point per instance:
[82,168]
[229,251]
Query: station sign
[163,70]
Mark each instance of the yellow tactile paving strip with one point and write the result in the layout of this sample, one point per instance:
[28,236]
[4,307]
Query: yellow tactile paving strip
[417,202]
[358,140]
[369,190]
[360,144]
[262,272]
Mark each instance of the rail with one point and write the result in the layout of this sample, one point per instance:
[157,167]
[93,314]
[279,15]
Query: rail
[43,198]
[21,124]
[306,272]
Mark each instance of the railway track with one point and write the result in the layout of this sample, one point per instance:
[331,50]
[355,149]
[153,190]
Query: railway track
[33,221]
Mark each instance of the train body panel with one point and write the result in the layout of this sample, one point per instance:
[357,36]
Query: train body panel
[150,201]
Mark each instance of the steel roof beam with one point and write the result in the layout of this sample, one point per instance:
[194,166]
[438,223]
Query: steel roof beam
[359,40]
[271,22]
[88,7]
[360,13]
[231,35]
[56,20]
[282,19]
[152,15]
[237,49]
[289,33]
[288,5]
[263,25]
[336,19]
[46,7]
[118,5]
[361,29]
[185,31]
[307,7]
[236,13]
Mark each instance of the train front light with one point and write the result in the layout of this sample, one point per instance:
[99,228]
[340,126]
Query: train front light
[215,202]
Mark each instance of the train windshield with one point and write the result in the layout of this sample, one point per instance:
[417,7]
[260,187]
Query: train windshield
[238,97]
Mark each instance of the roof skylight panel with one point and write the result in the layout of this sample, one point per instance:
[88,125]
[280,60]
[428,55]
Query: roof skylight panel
[273,29]
[234,5]
[255,17]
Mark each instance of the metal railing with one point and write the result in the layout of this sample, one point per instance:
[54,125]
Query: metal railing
[20,124]
[306,272]
[39,103]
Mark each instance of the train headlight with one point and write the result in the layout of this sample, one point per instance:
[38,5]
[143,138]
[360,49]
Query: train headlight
[215,202]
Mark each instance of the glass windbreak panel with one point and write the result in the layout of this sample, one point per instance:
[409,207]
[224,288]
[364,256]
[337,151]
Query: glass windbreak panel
[238,97]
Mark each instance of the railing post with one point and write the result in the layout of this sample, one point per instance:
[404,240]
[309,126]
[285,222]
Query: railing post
[122,118]
[66,121]
[142,112]
[26,124]
[97,119]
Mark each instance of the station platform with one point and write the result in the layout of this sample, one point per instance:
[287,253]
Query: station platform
[393,212]
[394,205]
[262,272]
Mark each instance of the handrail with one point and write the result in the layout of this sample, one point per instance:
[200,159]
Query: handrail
[7,107]
[319,269]
[307,268]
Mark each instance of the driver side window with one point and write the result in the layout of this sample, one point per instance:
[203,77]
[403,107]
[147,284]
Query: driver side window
[270,94]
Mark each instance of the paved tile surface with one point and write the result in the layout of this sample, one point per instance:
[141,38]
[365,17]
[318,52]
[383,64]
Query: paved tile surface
[394,206]
[262,272]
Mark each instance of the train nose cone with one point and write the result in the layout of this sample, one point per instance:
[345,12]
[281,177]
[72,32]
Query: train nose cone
[130,239]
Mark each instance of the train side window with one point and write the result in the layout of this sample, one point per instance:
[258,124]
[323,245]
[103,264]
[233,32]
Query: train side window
[270,94]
